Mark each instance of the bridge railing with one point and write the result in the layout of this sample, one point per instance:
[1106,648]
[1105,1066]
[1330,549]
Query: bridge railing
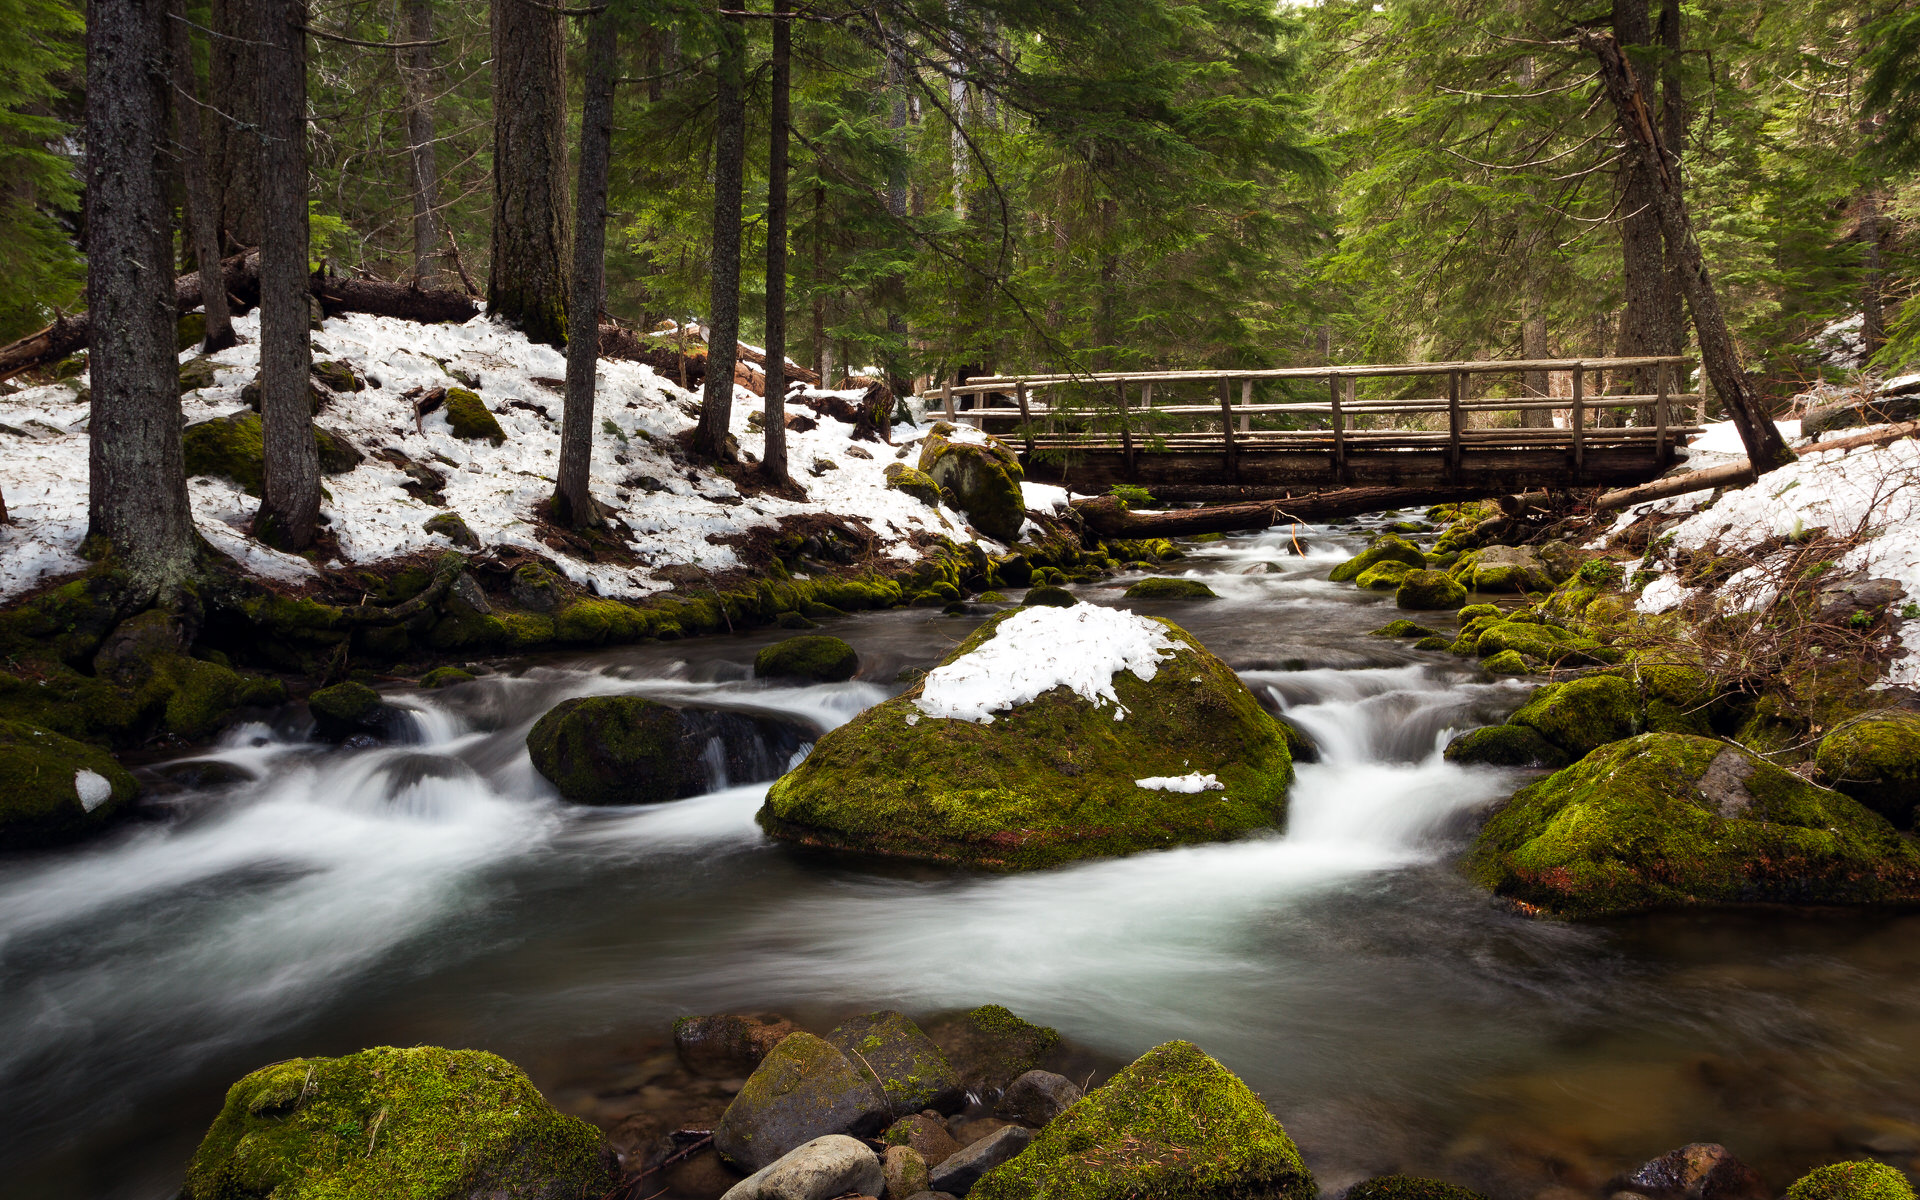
[1053,411]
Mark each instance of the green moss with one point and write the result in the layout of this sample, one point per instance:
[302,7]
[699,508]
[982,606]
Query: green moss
[1402,628]
[584,621]
[817,657]
[918,484]
[1506,746]
[233,447]
[346,703]
[985,482]
[1047,594]
[197,698]
[1409,1187]
[441,677]
[1383,576]
[1048,782]
[391,1124]
[1671,821]
[1548,643]
[1161,587]
[453,527]
[196,373]
[1675,699]
[1876,760]
[1433,643]
[338,376]
[1385,548]
[1864,1180]
[1475,611]
[1428,590]
[469,418]
[992,598]
[1506,662]
[1174,1125]
[898,1055]
[1582,714]
[55,789]
[611,750]
[989,1047]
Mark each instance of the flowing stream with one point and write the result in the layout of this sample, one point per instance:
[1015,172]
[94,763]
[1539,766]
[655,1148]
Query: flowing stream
[307,900]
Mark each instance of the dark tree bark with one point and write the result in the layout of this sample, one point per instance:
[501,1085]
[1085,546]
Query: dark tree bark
[775,459]
[234,80]
[203,217]
[137,484]
[723,322]
[1533,345]
[289,513]
[1650,320]
[416,66]
[572,500]
[822,351]
[1765,447]
[1873,303]
[527,281]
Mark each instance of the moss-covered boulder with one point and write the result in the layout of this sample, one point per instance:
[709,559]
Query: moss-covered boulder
[818,657]
[1506,662]
[1666,820]
[1535,640]
[233,447]
[197,373]
[535,588]
[1506,746]
[338,376]
[898,1054]
[804,1089]
[918,484]
[1864,1180]
[1048,595]
[614,750]
[1048,735]
[441,677]
[391,1124]
[1402,628]
[54,789]
[990,1047]
[984,477]
[350,711]
[1428,590]
[1876,760]
[1409,1187]
[454,528]
[1383,576]
[336,451]
[1162,587]
[467,415]
[1387,547]
[1582,715]
[1174,1125]
[1503,569]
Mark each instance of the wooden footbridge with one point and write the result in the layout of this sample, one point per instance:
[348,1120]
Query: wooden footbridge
[1395,425]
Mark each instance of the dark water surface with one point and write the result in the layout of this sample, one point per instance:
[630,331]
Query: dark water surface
[1393,1017]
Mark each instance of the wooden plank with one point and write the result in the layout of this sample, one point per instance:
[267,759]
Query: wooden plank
[1471,367]
[946,398]
[1454,388]
[1226,427]
[1579,420]
[1026,415]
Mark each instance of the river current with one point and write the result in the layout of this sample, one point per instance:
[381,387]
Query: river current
[321,900]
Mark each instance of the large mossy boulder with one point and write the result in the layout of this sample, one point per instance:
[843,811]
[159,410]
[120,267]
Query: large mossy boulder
[469,419]
[347,711]
[1876,760]
[912,1071]
[1388,547]
[1383,576]
[54,789]
[817,657]
[1582,715]
[984,478]
[1503,569]
[990,1047]
[1174,1125]
[628,750]
[1046,736]
[1861,1180]
[233,447]
[1166,587]
[804,1089]
[1505,746]
[392,1124]
[1428,590]
[1664,820]
[918,484]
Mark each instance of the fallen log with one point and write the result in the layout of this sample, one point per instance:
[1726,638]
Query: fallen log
[1740,472]
[1108,518]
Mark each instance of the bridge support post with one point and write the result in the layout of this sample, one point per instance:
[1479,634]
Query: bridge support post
[1579,419]
[946,400]
[1026,415]
[1226,429]
[1660,411]
[1126,432]
[1455,385]
[1339,433]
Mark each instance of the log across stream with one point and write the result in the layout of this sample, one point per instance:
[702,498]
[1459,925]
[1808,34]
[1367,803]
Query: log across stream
[307,900]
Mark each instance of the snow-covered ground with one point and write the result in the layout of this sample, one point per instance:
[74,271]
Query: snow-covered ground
[675,512]
[1871,491]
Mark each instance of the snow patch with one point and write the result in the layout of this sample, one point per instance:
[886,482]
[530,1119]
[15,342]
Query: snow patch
[1038,649]
[1044,497]
[92,788]
[1190,784]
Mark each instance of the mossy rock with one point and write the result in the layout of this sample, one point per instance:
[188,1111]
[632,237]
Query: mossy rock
[1174,1125]
[198,698]
[234,447]
[337,453]
[197,373]
[1506,662]
[817,657]
[54,789]
[1428,590]
[1475,611]
[1515,569]
[1876,760]
[1162,587]
[805,1088]
[1581,715]
[441,677]
[190,330]
[1433,643]
[467,415]
[1533,639]
[991,597]
[1863,1180]
[1664,821]
[1048,595]
[1049,781]
[1409,1187]
[346,710]
[338,376]
[918,484]
[990,1047]
[1387,547]
[984,480]
[902,1059]
[1677,699]
[535,588]
[1402,628]
[392,1124]
[613,750]
[1383,576]
[453,527]
[1506,746]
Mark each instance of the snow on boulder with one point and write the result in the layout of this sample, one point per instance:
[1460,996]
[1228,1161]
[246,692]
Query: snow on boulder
[1028,745]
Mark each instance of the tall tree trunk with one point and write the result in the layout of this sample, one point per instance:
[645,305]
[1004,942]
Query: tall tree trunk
[573,501]
[1873,323]
[137,484]
[1535,385]
[233,78]
[416,66]
[289,513]
[1671,318]
[957,111]
[527,281]
[822,352]
[1643,267]
[775,459]
[723,322]
[1765,447]
[203,217]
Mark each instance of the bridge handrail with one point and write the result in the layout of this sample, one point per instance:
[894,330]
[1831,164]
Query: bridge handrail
[1464,367]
